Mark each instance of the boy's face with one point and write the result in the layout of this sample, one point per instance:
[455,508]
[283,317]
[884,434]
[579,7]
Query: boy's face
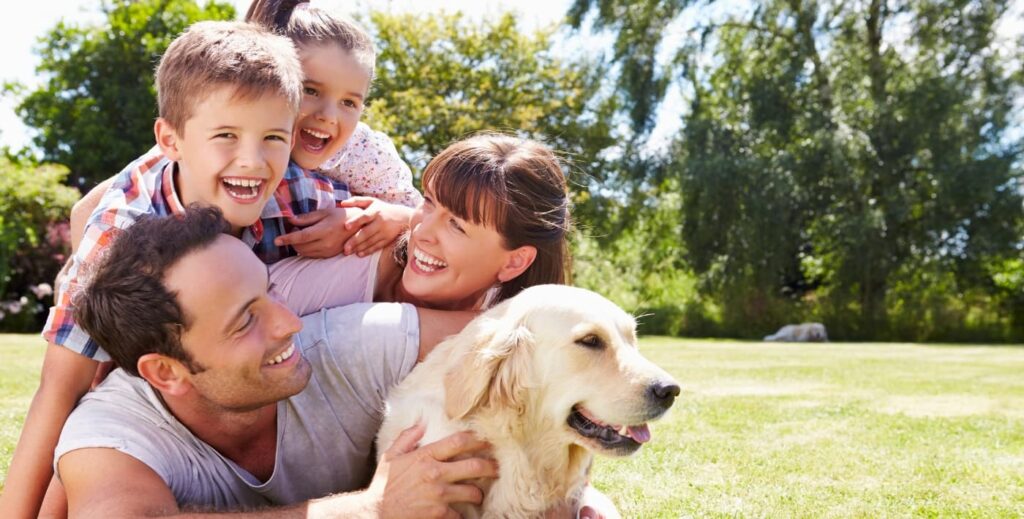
[232,153]
[240,333]
[333,94]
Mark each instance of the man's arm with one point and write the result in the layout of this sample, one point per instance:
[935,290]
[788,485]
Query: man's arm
[66,376]
[409,482]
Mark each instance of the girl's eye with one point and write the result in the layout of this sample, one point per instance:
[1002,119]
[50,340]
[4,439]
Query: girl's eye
[310,91]
[350,103]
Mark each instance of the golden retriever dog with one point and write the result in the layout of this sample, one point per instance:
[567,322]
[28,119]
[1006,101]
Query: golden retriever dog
[548,377]
[804,332]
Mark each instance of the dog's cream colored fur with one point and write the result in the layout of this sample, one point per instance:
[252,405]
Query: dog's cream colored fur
[513,376]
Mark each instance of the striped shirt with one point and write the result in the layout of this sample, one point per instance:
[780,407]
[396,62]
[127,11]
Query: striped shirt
[146,187]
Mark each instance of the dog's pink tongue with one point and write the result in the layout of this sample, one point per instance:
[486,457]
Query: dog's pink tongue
[640,433]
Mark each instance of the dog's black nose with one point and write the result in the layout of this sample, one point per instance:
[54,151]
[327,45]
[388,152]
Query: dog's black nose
[663,393]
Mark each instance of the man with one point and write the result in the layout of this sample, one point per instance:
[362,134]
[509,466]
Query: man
[227,401]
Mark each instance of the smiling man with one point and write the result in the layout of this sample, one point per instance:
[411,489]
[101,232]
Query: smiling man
[227,401]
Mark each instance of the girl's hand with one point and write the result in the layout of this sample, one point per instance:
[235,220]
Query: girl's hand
[378,225]
[324,232]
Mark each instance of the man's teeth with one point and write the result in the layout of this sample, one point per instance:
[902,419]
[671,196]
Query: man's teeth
[283,356]
[317,134]
[426,262]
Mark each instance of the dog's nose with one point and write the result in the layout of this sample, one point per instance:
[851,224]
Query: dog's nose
[663,393]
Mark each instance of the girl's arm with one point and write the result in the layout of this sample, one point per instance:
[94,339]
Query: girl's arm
[66,376]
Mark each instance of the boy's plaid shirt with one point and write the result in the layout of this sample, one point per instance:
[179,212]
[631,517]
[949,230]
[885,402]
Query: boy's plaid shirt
[146,187]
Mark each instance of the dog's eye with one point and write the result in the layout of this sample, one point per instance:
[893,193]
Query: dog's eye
[590,341]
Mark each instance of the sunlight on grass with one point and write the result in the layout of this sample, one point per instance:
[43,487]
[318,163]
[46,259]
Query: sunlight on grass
[787,430]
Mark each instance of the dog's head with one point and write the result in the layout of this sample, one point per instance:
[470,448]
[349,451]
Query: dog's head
[563,358]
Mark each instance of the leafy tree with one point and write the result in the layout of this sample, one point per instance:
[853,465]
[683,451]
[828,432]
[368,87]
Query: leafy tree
[441,78]
[847,155]
[33,203]
[95,111]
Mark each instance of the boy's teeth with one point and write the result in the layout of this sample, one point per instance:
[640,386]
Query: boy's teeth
[243,182]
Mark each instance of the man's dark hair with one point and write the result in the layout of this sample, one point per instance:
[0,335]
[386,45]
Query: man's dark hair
[126,308]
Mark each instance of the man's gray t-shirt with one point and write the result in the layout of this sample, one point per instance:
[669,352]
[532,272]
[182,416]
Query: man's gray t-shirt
[325,434]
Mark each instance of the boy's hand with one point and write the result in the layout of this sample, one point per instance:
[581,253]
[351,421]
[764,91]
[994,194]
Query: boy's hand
[378,226]
[323,232]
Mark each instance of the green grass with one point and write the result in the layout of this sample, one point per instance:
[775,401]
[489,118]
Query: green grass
[787,430]
[21,357]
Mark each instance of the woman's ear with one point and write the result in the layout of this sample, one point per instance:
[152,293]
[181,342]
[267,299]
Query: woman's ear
[518,261]
[165,374]
[167,139]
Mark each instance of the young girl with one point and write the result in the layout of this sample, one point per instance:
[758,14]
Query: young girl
[338,59]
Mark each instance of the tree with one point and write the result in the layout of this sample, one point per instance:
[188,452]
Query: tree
[440,78]
[95,111]
[852,158]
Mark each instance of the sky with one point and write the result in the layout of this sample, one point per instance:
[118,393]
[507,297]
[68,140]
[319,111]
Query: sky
[18,35]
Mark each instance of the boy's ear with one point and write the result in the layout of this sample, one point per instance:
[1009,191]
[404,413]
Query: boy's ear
[167,139]
[518,261]
[165,374]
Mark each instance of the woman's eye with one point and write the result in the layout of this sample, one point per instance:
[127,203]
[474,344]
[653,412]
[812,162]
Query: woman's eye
[455,225]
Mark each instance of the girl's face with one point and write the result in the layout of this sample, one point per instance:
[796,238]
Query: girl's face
[452,262]
[333,94]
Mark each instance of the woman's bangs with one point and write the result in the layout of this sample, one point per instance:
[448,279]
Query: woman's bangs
[474,196]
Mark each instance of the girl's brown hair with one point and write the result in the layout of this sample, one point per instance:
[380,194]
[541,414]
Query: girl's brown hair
[308,25]
[514,186]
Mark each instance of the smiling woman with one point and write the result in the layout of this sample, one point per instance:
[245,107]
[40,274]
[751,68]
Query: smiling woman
[493,221]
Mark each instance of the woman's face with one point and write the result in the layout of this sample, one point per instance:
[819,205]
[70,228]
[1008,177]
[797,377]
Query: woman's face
[453,262]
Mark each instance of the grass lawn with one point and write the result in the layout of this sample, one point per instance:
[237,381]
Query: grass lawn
[787,430]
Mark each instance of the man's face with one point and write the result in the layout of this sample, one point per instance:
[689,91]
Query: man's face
[240,334]
[233,153]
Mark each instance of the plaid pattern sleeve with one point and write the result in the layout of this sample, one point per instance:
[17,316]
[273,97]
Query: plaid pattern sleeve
[141,188]
[300,192]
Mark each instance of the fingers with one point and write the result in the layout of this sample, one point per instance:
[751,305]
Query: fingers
[360,220]
[469,468]
[296,237]
[305,219]
[463,493]
[406,440]
[453,445]
[362,202]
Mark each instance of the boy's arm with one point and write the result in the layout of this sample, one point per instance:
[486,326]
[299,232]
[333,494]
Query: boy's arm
[83,208]
[66,376]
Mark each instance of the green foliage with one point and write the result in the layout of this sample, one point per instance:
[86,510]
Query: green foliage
[835,167]
[441,78]
[95,111]
[33,204]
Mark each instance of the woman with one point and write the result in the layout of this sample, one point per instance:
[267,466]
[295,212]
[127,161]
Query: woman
[493,221]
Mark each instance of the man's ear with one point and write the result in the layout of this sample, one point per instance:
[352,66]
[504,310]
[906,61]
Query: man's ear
[518,261]
[167,139]
[165,374]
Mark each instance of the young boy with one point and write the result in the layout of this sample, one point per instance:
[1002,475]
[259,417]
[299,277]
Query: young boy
[228,96]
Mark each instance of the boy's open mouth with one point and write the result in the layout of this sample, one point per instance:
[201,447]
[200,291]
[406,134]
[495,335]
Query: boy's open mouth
[314,140]
[243,189]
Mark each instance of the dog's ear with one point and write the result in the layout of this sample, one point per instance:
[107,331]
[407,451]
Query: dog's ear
[489,371]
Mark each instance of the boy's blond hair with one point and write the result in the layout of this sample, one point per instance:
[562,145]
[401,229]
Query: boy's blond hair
[211,55]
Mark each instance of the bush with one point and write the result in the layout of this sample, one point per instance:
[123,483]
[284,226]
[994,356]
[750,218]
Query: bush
[34,240]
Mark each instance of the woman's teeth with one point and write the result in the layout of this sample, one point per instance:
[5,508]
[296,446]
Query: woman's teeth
[244,188]
[426,262]
[283,356]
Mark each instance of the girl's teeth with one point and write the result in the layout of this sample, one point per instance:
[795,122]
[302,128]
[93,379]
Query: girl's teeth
[318,135]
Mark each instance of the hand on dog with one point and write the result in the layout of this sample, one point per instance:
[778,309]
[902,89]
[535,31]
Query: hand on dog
[422,482]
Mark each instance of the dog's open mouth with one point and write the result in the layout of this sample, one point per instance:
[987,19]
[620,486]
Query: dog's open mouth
[624,438]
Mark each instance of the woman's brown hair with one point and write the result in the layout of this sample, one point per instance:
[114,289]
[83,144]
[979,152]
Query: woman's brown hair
[515,186]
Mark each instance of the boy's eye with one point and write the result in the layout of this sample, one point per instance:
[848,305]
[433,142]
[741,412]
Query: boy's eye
[277,138]
[225,135]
